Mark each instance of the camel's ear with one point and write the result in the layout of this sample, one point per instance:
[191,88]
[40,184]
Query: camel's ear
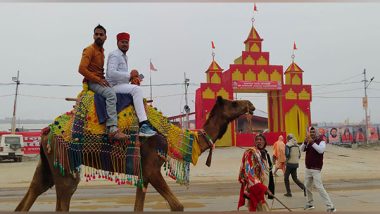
[219,100]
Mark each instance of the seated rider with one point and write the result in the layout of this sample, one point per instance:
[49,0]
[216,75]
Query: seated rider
[119,77]
[91,67]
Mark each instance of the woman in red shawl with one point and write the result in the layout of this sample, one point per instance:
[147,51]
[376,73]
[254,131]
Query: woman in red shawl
[256,176]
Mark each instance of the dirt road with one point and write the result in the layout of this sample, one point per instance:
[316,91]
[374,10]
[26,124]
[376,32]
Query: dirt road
[351,177]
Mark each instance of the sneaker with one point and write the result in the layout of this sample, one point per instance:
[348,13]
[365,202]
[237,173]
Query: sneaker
[117,135]
[331,210]
[146,131]
[308,207]
[288,194]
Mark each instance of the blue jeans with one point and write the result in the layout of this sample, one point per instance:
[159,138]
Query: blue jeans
[110,95]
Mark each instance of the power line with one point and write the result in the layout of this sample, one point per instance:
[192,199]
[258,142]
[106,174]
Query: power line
[337,91]
[334,84]
[333,97]
[43,97]
[6,95]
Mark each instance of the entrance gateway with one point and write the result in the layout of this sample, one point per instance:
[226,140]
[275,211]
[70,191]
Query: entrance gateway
[288,101]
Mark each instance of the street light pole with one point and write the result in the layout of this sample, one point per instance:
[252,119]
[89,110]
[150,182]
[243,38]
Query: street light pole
[186,108]
[17,81]
[365,102]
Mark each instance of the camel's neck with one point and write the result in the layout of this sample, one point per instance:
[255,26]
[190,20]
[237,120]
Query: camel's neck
[212,127]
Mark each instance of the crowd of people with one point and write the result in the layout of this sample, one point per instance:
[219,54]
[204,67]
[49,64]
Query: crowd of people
[256,170]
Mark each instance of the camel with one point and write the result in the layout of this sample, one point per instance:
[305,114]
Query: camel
[46,175]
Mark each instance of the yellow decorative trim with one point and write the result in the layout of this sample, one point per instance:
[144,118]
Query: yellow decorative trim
[287,79]
[304,95]
[254,48]
[208,94]
[262,61]
[249,61]
[237,75]
[275,111]
[238,61]
[275,76]
[296,80]
[263,75]
[250,76]
[296,68]
[291,95]
[216,79]
[223,93]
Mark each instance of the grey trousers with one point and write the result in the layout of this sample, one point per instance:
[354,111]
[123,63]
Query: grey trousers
[110,95]
[314,176]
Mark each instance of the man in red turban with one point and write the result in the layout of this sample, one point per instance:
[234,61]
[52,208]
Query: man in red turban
[119,78]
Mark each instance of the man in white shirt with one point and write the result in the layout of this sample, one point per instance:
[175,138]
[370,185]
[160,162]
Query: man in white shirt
[118,77]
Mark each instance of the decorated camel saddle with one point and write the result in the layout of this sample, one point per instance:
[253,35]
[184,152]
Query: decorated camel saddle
[82,144]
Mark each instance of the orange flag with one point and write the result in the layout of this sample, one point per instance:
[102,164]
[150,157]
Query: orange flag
[212,45]
[294,46]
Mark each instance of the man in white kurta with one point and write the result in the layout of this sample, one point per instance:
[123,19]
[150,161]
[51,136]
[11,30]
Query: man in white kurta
[118,77]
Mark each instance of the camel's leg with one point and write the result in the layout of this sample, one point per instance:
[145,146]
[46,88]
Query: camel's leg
[159,183]
[42,181]
[140,198]
[65,187]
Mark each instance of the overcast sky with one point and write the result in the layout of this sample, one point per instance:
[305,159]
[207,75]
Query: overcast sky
[336,41]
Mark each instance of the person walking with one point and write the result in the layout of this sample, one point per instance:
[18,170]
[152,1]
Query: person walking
[293,155]
[279,155]
[256,176]
[314,147]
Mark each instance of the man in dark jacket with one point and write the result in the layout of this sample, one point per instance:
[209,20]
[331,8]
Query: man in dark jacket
[314,147]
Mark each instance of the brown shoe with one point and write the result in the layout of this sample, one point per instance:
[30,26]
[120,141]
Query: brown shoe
[117,135]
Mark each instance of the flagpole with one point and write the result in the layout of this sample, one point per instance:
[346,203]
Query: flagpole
[150,79]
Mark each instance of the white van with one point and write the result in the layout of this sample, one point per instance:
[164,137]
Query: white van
[11,147]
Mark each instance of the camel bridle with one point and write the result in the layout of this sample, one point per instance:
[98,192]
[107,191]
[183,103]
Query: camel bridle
[210,144]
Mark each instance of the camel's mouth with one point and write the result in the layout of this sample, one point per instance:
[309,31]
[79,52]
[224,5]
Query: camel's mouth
[251,109]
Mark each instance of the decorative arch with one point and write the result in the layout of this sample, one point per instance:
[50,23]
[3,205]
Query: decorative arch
[250,75]
[263,75]
[275,76]
[216,78]
[223,93]
[249,61]
[237,75]
[208,94]
[304,95]
[262,61]
[296,80]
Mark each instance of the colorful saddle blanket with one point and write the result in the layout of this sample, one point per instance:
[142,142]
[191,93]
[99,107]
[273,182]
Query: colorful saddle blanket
[83,144]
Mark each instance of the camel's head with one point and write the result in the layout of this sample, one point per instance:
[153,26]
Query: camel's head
[232,109]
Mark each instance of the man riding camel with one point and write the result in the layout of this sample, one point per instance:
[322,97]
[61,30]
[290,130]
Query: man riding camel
[91,67]
[119,78]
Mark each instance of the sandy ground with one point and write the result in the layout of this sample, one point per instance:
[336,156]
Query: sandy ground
[351,177]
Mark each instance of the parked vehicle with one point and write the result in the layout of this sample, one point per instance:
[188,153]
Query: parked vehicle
[11,147]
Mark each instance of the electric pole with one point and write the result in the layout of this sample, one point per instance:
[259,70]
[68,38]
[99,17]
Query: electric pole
[365,102]
[17,81]
[186,108]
